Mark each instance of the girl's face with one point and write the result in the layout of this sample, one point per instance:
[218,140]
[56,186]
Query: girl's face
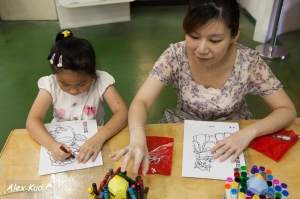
[72,82]
[208,44]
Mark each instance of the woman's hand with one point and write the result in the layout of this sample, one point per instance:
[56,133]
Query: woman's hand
[91,148]
[232,145]
[137,150]
[57,153]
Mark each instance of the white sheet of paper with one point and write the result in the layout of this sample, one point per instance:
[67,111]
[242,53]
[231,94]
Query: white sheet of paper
[72,134]
[199,138]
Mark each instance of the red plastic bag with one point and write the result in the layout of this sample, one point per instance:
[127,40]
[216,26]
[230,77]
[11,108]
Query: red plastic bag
[160,152]
[275,145]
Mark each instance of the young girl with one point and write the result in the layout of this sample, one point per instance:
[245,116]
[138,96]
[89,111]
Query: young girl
[212,75]
[77,92]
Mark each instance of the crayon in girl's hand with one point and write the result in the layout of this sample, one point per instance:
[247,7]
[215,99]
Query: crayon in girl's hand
[65,150]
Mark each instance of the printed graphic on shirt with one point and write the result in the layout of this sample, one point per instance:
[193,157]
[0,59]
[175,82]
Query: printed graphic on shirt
[89,110]
[60,112]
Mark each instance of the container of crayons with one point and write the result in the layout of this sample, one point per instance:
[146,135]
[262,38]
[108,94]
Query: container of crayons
[259,183]
[117,185]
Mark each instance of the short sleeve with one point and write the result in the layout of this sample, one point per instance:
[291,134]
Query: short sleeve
[166,67]
[262,80]
[44,83]
[105,80]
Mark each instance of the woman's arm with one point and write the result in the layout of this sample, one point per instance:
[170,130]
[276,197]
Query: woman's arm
[37,130]
[137,117]
[116,123]
[283,113]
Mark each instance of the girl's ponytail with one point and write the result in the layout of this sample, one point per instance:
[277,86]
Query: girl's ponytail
[63,34]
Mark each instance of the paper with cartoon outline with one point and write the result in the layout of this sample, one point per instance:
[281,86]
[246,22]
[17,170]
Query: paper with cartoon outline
[72,134]
[199,138]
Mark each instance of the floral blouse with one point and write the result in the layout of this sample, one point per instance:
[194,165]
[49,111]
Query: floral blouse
[249,75]
[85,106]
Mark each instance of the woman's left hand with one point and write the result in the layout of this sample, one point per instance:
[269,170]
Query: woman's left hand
[91,148]
[232,145]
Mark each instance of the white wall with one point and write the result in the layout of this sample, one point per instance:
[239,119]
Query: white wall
[264,11]
[290,20]
[251,6]
[28,10]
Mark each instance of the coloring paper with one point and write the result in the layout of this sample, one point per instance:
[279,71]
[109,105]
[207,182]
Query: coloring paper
[199,138]
[72,134]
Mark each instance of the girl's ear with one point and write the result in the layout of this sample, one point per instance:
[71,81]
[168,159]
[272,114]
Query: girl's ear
[235,38]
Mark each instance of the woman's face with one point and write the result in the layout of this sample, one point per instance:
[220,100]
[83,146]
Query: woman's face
[209,44]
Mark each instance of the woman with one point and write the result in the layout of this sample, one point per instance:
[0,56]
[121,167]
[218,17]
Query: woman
[212,75]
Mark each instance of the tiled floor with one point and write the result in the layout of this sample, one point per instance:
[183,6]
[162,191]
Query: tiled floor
[126,50]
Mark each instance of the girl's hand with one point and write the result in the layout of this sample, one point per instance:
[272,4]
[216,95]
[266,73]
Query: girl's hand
[232,145]
[91,148]
[137,150]
[57,153]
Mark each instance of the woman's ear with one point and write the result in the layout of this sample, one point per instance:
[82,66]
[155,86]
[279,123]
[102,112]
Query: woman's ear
[235,38]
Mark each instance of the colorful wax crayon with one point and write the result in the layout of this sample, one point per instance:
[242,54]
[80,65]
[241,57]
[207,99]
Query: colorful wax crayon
[106,192]
[115,173]
[141,184]
[134,189]
[138,192]
[130,191]
[91,192]
[94,185]
[106,177]
[146,192]
[128,179]
[101,195]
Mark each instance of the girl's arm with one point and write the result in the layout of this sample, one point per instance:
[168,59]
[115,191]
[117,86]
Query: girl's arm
[283,113]
[37,130]
[116,123]
[138,110]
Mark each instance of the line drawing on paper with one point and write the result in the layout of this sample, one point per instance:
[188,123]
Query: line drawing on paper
[67,136]
[202,143]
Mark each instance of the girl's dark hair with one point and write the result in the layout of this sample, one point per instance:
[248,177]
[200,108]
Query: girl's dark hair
[201,12]
[76,54]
